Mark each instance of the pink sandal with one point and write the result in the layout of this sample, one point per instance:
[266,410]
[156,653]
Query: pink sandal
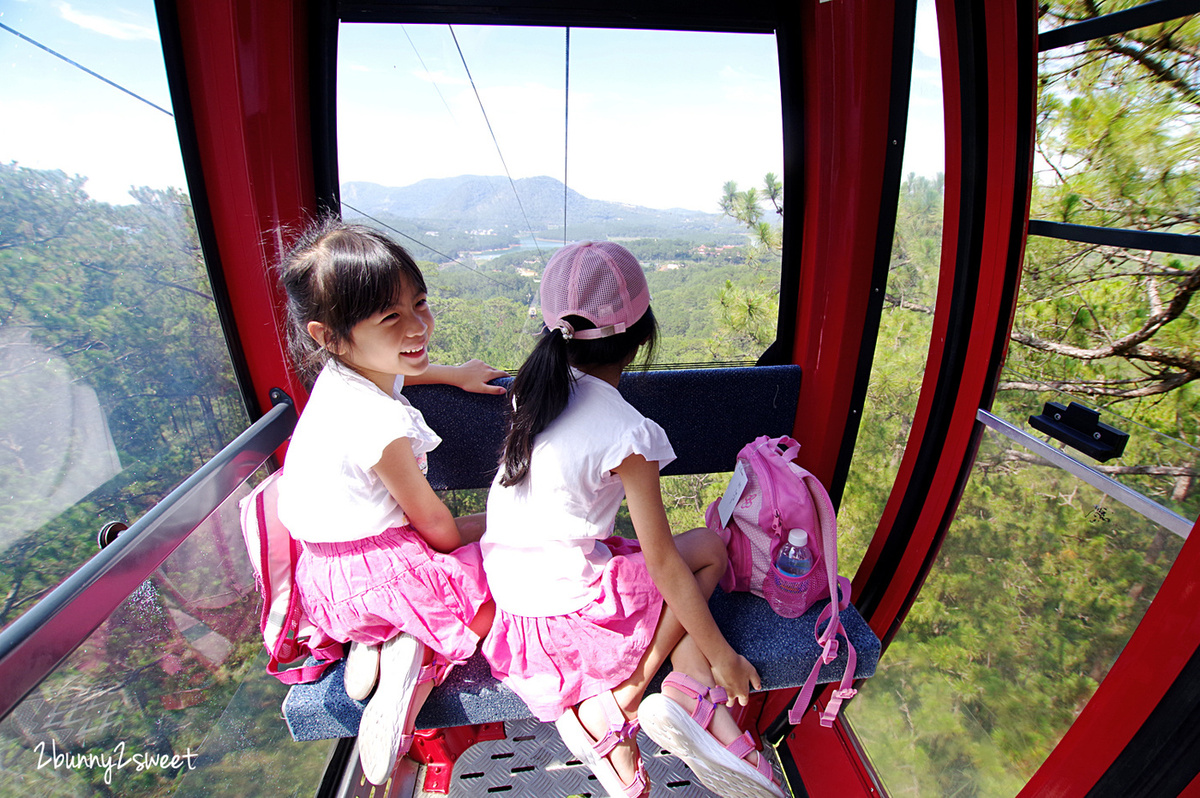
[724,769]
[594,753]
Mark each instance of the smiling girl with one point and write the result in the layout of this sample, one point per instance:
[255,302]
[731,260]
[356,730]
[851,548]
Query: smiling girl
[383,560]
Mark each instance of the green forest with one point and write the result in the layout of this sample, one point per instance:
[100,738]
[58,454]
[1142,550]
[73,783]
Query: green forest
[109,336]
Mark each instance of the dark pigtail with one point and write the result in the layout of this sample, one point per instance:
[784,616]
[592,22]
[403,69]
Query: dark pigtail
[542,387]
[539,395]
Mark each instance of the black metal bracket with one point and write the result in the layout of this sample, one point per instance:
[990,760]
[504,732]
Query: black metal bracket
[1080,428]
[279,397]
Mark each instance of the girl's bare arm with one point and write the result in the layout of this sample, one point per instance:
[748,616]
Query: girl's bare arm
[403,478]
[675,580]
[473,376]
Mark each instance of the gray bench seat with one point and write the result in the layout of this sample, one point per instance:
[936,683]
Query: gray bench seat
[708,414]
[783,650]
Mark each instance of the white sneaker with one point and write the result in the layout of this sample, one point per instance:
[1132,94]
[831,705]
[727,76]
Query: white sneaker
[362,670]
[381,730]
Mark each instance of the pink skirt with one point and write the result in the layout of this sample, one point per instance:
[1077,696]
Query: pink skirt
[555,662]
[372,589]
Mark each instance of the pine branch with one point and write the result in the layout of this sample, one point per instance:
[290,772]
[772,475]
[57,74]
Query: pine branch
[1124,346]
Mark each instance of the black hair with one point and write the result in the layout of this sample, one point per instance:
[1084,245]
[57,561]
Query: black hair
[340,274]
[543,385]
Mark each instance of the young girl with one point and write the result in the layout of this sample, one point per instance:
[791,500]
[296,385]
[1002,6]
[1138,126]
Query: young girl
[383,560]
[581,626]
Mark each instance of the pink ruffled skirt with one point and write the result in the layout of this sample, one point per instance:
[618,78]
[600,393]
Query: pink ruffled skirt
[372,589]
[555,662]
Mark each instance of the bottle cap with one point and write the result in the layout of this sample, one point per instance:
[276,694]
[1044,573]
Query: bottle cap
[798,537]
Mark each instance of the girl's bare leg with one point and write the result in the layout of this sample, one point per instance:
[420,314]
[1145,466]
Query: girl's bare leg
[705,554]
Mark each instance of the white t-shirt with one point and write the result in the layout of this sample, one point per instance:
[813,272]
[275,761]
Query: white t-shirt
[329,491]
[541,550]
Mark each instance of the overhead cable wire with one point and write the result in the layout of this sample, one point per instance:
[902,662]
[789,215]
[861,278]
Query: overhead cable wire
[419,242]
[434,83]
[496,141]
[427,72]
[80,66]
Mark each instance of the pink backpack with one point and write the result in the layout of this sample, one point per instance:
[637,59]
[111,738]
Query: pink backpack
[768,495]
[288,634]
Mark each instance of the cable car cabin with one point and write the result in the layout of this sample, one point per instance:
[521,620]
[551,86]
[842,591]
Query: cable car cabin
[1033,592]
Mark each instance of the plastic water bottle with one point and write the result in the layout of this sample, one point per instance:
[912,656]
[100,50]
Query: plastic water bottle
[787,585]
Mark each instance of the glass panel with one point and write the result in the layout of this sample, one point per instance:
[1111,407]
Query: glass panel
[458,141]
[170,695]
[115,381]
[1042,579]
[1109,327]
[1039,584]
[1117,125]
[1159,466]
[907,319]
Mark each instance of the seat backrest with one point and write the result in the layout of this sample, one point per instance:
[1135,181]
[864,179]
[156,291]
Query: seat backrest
[708,414]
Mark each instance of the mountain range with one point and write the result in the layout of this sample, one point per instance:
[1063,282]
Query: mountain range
[480,202]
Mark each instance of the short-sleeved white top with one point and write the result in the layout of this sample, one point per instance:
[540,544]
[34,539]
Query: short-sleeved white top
[329,491]
[541,550]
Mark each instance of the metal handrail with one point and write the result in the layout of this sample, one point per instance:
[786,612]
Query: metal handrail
[41,639]
[1137,502]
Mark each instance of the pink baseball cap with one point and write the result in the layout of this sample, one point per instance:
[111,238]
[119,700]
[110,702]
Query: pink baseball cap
[598,280]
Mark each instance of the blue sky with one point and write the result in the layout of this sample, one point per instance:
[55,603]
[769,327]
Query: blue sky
[660,119]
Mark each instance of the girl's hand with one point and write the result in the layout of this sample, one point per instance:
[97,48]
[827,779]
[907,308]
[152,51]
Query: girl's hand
[735,673]
[473,376]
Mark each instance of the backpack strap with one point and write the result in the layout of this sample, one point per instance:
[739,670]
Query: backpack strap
[280,628]
[827,520]
[828,638]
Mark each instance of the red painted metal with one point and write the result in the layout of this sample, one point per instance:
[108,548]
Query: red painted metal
[1192,790]
[990,233]
[439,749]
[830,760]
[245,64]
[846,60]
[1167,637]
[989,319]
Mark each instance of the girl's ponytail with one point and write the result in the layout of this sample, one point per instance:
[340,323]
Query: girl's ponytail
[542,387]
[596,307]
[539,395]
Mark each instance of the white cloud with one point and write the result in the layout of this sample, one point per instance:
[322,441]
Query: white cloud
[124,31]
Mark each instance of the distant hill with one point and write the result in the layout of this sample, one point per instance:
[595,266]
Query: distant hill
[474,202]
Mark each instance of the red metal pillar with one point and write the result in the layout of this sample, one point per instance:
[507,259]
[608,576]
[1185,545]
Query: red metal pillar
[240,87]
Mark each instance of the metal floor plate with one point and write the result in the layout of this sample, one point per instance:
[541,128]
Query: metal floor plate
[534,763]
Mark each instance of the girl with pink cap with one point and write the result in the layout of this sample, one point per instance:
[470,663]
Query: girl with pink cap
[585,619]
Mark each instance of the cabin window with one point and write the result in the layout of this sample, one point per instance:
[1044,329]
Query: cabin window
[115,385]
[115,380]
[906,321]
[1042,578]
[484,149]
[458,140]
